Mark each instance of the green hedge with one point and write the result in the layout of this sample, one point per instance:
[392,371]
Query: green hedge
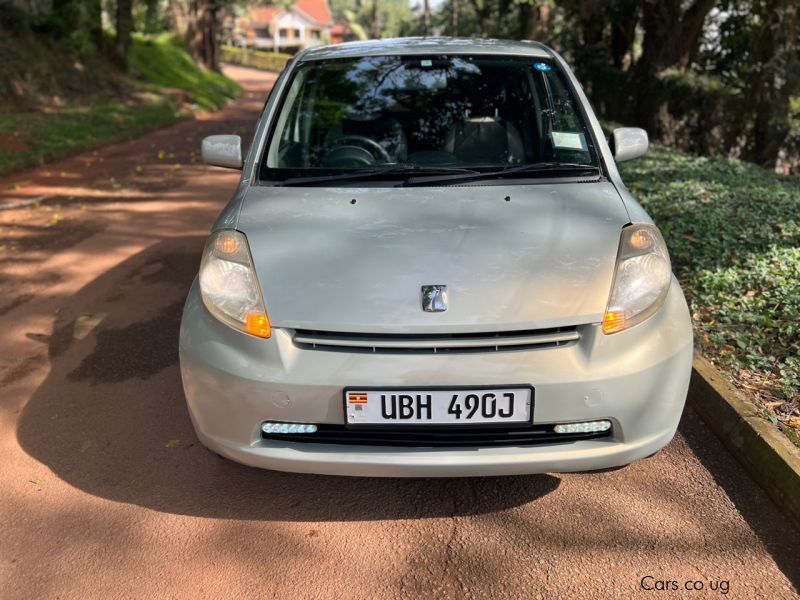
[258,59]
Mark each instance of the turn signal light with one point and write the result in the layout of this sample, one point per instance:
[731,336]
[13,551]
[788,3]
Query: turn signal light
[258,324]
[226,243]
[613,321]
[642,239]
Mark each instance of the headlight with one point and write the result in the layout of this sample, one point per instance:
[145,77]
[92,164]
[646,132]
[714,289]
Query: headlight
[641,278]
[229,286]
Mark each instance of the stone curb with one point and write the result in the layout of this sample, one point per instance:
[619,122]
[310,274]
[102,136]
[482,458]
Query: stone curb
[767,455]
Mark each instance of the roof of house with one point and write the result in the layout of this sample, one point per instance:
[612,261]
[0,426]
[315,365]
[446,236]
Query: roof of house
[265,14]
[319,10]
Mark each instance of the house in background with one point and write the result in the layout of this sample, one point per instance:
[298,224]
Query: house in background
[304,24]
[341,32]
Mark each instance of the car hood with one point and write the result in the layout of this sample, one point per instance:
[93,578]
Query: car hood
[355,259]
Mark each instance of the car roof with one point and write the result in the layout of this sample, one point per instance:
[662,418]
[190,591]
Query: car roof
[427,45]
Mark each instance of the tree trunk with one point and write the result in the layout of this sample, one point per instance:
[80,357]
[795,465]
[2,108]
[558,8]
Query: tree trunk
[373,21]
[426,17]
[180,18]
[691,30]
[771,87]
[661,20]
[661,48]
[623,32]
[124,29]
[206,34]
[454,18]
[527,20]
[95,16]
[542,28]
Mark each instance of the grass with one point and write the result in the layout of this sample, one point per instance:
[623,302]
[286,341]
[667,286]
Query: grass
[164,63]
[733,230]
[64,131]
[166,80]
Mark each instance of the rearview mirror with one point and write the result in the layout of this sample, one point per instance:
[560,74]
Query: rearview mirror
[628,143]
[222,151]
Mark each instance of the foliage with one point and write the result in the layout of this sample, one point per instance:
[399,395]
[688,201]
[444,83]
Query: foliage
[394,17]
[35,69]
[165,63]
[709,76]
[62,131]
[100,106]
[734,235]
[699,115]
[258,59]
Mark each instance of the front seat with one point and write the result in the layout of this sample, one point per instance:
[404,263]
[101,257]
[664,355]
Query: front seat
[485,140]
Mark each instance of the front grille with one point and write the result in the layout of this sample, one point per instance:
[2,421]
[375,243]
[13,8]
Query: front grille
[421,437]
[400,343]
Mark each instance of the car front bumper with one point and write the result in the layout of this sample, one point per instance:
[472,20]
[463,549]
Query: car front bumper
[637,379]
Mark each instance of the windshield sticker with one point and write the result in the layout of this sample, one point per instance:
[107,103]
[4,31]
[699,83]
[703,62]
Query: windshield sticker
[569,141]
[543,67]
[426,63]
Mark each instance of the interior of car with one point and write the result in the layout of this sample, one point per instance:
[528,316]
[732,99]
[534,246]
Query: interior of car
[430,111]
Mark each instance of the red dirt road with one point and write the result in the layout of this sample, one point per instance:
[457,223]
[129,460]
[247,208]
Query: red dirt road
[106,493]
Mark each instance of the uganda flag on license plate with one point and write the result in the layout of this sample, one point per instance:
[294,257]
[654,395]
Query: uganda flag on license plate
[356,398]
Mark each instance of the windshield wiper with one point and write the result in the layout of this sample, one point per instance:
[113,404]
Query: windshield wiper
[543,168]
[376,173]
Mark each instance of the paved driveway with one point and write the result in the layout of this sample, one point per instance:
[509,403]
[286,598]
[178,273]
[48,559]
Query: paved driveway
[105,492]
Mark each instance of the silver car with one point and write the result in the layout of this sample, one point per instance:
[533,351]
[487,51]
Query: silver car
[431,267]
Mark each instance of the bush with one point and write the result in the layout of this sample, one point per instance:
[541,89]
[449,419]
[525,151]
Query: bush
[733,230]
[699,113]
[257,59]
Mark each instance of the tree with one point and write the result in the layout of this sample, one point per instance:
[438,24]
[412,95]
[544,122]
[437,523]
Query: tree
[598,38]
[205,39]
[95,25]
[124,23]
[151,15]
[181,19]
[376,18]
[665,24]
[769,87]
[198,22]
[535,20]
[692,29]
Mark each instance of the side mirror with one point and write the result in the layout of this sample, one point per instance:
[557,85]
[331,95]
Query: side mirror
[222,151]
[628,143]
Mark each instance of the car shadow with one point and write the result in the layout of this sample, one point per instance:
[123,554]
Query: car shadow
[110,419]
[775,531]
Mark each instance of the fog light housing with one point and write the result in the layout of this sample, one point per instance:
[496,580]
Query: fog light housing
[583,427]
[287,428]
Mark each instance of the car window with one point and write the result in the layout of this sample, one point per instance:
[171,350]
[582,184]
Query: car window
[426,112]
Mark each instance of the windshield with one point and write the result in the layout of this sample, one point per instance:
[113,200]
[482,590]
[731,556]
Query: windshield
[427,114]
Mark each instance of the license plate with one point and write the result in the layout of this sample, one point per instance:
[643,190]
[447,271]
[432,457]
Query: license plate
[467,406]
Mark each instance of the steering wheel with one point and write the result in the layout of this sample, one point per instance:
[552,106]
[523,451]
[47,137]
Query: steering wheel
[357,149]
